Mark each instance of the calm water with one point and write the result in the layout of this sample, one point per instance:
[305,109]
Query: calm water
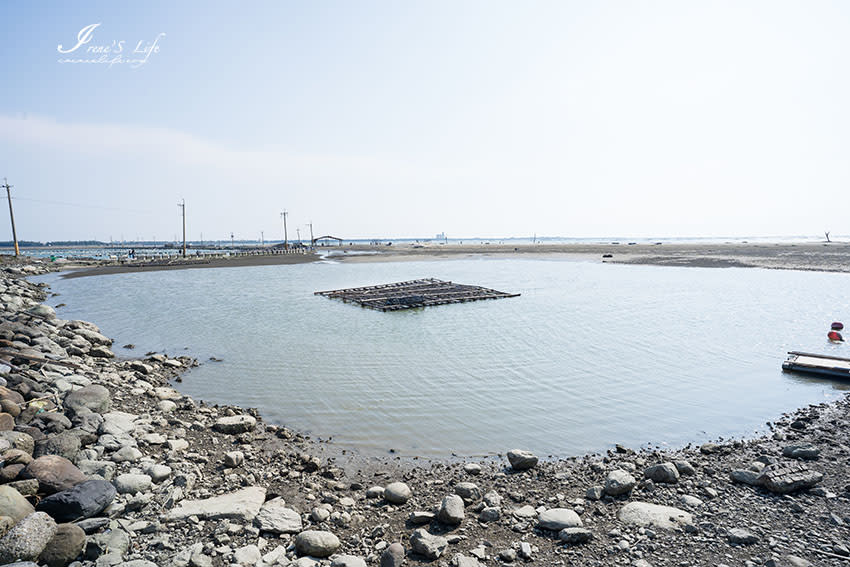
[590,354]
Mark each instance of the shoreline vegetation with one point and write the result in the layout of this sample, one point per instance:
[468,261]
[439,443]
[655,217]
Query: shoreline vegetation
[102,462]
[825,257]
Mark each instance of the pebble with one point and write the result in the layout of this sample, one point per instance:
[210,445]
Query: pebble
[397,493]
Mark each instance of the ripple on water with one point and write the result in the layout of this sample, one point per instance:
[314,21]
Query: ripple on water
[589,355]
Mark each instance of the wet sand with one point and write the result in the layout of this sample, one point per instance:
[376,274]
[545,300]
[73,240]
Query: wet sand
[81,270]
[833,257]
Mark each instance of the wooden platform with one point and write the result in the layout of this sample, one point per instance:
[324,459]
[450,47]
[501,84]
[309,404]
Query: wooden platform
[413,294]
[821,364]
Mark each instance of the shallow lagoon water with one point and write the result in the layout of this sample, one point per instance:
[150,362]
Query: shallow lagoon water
[589,355]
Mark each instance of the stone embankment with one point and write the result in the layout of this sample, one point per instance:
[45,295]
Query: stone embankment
[102,463]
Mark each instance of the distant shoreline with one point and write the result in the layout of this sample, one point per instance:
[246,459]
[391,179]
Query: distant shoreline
[823,257]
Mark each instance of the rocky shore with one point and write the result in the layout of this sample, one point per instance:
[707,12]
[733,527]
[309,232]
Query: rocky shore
[103,463]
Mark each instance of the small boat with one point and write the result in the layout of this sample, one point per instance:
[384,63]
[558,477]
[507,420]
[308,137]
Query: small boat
[821,364]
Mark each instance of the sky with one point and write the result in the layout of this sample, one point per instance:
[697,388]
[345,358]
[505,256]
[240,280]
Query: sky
[394,119]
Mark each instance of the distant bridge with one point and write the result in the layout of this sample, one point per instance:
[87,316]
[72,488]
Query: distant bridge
[327,237]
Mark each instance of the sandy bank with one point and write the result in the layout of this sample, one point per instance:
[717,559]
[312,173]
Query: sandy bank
[834,257]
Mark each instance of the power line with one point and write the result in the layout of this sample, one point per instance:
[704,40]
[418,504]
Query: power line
[80,205]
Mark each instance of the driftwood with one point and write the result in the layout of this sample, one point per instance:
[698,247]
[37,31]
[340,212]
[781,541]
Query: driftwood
[15,354]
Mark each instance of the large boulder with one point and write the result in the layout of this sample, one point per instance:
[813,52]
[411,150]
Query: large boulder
[27,539]
[84,500]
[65,547]
[13,504]
[645,514]
[316,543]
[54,473]
[95,398]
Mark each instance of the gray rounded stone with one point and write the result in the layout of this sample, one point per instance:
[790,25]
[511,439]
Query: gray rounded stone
[469,491]
[664,473]
[27,539]
[348,561]
[556,519]
[393,556]
[316,543]
[397,493]
[95,398]
[13,504]
[619,482]
[132,483]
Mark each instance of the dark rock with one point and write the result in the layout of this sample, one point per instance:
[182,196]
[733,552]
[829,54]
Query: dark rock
[10,473]
[805,452]
[84,500]
[785,478]
[65,444]
[94,398]
[393,555]
[522,460]
[575,535]
[93,525]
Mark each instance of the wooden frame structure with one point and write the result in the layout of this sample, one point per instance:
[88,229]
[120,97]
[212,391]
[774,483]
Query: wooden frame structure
[414,293]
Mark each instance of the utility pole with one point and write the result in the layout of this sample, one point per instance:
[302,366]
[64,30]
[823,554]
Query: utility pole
[285,239]
[12,216]
[262,239]
[310,224]
[298,232]
[182,206]
[232,243]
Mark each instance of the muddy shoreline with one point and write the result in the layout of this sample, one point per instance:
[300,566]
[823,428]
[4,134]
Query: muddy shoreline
[825,257]
[198,485]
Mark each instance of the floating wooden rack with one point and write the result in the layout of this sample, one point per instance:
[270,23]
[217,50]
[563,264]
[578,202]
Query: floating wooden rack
[413,294]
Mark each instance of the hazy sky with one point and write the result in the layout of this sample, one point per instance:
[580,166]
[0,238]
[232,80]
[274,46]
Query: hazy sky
[405,119]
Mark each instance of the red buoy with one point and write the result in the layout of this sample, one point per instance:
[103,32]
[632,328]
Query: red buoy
[835,336]
[837,326]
